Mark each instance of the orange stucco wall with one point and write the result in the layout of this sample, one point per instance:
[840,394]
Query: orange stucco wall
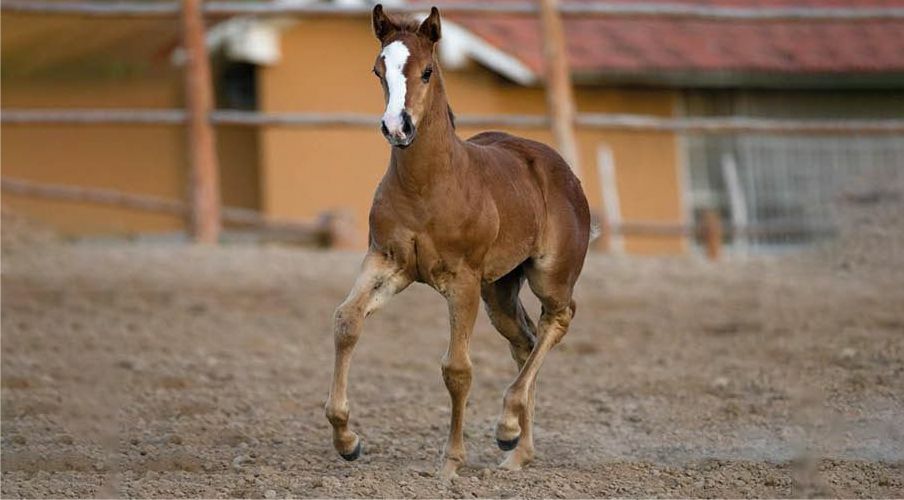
[326,67]
[136,159]
[141,159]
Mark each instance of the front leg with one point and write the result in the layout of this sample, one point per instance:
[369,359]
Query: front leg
[378,281]
[463,297]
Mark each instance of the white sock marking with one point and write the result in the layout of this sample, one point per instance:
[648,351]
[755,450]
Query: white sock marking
[395,55]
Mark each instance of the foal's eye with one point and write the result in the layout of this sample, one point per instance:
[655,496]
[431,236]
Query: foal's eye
[374,71]
[426,76]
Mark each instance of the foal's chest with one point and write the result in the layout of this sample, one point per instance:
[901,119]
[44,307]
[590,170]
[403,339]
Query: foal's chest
[438,264]
[437,239]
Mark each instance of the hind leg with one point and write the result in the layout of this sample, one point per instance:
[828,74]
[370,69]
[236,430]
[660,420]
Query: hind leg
[553,285]
[511,320]
[508,316]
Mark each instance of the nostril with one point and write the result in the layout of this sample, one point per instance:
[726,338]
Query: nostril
[406,125]
[383,128]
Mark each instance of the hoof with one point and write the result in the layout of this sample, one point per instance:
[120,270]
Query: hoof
[507,445]
[354,455]
[449,471]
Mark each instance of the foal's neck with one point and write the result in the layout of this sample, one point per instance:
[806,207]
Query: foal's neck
[431,155]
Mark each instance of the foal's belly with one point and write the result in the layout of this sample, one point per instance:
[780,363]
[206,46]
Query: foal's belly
[516,238]
[501,259]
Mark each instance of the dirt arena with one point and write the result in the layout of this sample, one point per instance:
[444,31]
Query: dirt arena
[160,370]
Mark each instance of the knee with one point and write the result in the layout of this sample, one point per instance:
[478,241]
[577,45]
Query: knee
[336,413]
[346,321]
[564,316]
[555,322]
[457,374]
[557,318]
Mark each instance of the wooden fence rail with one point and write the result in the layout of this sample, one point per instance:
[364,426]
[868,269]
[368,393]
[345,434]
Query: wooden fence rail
[93,116]
[670,230]
[734,125]
[329,228]
[575,9]
[624,122]
[320,230]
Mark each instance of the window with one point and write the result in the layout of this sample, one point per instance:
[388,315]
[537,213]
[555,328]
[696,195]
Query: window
[236,85]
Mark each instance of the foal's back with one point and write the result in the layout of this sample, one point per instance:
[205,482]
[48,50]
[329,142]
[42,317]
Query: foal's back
[517,159]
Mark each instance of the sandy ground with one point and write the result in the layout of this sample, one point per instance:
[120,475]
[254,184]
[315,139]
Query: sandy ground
[146,370]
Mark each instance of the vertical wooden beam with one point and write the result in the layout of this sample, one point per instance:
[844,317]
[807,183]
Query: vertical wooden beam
[712,234]
[610,206]
[559,93]
[204,189]
[737,201]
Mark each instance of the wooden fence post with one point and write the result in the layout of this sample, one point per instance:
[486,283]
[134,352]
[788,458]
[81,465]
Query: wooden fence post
[204,189]
[559,92]
[712,234]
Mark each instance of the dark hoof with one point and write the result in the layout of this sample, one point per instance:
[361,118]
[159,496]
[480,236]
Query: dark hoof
[508,445]
[354,455]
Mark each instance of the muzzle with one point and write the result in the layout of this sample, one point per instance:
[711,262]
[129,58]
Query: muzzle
[399,131]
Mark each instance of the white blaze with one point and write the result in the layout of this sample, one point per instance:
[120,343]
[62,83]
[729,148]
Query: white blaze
[395,55]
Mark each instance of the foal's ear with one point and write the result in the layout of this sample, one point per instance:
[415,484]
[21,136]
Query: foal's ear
[431,28]
[383,25]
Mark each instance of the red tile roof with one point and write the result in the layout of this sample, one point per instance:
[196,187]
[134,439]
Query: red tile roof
[597,46]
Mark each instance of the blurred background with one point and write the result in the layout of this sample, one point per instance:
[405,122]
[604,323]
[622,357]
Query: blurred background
[779,185]
[740,322]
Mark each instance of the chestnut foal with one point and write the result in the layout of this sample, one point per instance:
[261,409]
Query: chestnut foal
[473,219]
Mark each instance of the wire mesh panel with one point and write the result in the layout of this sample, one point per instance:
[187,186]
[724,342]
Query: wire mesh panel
[790,187]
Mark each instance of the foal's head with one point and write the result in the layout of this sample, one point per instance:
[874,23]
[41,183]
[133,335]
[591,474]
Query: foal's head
[405,67]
